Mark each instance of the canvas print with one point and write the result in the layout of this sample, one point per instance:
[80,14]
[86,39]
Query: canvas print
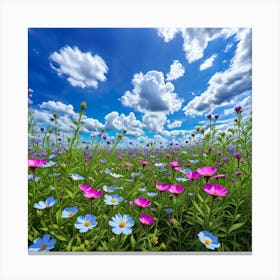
[139,140]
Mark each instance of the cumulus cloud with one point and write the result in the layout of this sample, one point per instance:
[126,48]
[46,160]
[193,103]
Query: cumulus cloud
[152,94]
[154,121]
[58,107]
[195,40]
[246,104]
[177,70]
[82,69]
[174,124]
[42,116]
[92,125]
[129,123]
[208,62]
[225,87]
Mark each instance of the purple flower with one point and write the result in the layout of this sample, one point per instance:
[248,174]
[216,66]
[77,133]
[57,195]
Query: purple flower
[237,109]
[146,219]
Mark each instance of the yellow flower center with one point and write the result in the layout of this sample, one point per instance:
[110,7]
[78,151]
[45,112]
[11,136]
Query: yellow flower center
[113,200]
[43,247]
[207,241]
[70,214]
[215,193]
[86,223]
[207,175]
[122,224]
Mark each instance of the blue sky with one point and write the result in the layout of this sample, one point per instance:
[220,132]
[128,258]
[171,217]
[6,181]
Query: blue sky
[155,83]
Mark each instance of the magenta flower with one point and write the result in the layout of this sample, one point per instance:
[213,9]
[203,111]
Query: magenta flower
[146,219]
[85,188]
[34,163]
[176,189]
[92,193]
[220,176]
[144,162]
[128,163]
[207,171]
[162,187]
[237,109]
[215,190]
[142,202]
[174,164]
[193,175]
[237,156]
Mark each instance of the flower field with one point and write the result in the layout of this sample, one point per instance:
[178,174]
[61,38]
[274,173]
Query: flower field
[193,195]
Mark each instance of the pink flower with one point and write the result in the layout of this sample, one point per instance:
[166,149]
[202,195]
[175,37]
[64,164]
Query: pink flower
[193,175]
[176,189]
[174,164]
[167,155]
[85,188]
[144,162]
[162,187]
[92,193]
[146,219]
[207,171]
[215,190]
[34,163]
[222,176]
[128,163]
[142,202]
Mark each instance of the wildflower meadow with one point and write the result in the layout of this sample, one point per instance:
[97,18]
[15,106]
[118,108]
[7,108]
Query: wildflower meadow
[191,195]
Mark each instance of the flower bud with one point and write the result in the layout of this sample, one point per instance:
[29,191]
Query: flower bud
[83,106]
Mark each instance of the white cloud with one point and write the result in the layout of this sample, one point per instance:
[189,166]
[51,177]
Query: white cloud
[225,87]
[42,116]
[129,123]
[174,124]
[152,94]
[58,107]
[177,70]
[82,69]
[246,104]
[154,121]
[195,39]
[92,125]
[208,62]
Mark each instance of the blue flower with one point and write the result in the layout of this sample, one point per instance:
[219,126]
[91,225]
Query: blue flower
[77,177]
[152,194]
[168,210]
[112,199]
[108,189]
[54,175]
[42,244]
[69,212]
[85,223]
[208,239]
[181,179]
[52,156]
[50,164]
[103,160]
[31,178]
[142,190]
[49,202]
[121,224]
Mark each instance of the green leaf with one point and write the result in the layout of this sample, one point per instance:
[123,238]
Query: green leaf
[59,236]
[132,241]
[235,227]
[198,208]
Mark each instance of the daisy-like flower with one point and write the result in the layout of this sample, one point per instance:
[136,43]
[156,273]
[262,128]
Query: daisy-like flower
[85,223]
[115,175]
[93,193]
[42,244]
[168,210]
[50,164]
[215,190]
[176,189]
[142,202]
[49,202]
[77,177]
[144,162]
[193,175]
[162,187]
[209,240]
[108,189]
[34,163]
[121,224]
[146,219]
[128,163]
[152,194]
[85,187]
[174,164]
[207,171]
[69,212]
[112,199]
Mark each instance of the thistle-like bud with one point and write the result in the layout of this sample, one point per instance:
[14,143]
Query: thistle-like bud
[120,136]
[75,122]
[83,106]
[55,115]
[202,130]
[124,131]
[197,128]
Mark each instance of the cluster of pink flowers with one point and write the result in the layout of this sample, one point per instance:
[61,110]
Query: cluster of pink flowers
[206,171]
[89,192]
[175,189]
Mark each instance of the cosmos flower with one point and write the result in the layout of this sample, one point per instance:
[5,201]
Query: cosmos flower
[93,193]
[85,187]
[42,244]
[209,240]
[162,187]
[144,162]
[176,189]
[121,224]
[146,219]
[215,190]
[142,202]
[85,223]
[49,202]
[207,171]
[34,163]
[69,212]
[112,199]
[193,175]
[77,177]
